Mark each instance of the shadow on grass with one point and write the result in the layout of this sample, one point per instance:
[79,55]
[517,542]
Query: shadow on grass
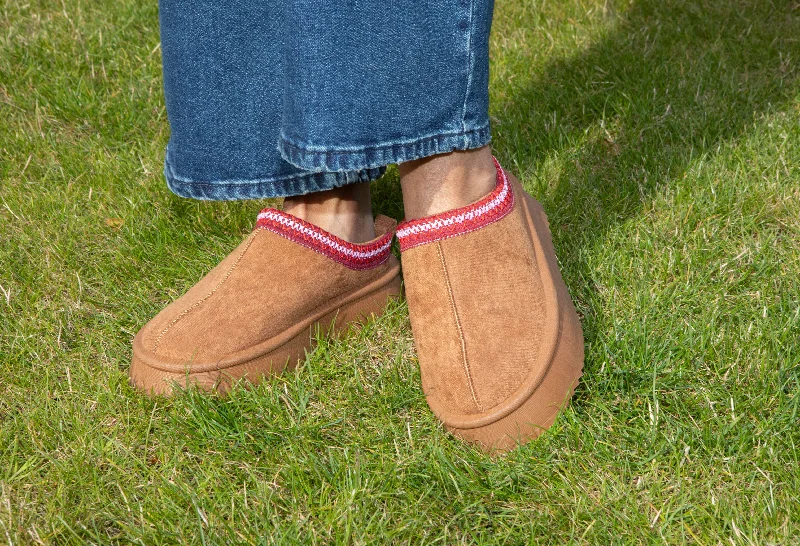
[671,82]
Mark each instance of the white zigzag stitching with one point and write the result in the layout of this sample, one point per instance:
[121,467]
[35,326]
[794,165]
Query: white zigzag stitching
[291,224]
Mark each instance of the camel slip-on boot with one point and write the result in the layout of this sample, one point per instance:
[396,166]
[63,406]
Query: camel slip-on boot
[255,314]
[499,343]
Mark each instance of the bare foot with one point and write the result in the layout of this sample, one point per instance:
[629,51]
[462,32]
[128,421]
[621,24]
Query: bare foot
[444,182]
[345,212]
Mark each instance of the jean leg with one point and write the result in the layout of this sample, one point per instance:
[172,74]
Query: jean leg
[373,83]
[224,84]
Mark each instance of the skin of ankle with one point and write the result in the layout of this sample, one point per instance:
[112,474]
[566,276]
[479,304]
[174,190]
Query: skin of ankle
[345,212]
[444,182]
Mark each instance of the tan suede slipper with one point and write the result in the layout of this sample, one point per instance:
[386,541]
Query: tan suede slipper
[254,314]
[499,342]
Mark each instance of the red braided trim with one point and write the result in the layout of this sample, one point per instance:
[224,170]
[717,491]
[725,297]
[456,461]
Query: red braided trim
[455,222]
[352,255]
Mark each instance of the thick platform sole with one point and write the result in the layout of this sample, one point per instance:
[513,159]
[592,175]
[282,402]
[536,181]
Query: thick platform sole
[539,411]
[286,356]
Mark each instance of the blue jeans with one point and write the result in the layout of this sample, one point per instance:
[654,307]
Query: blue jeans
[269,98]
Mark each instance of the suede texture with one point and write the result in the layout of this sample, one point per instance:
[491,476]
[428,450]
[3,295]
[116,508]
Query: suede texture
[481,293]
[267,294]
[488,320]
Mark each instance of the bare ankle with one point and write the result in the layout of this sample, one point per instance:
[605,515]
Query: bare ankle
[444,182]
[345,212]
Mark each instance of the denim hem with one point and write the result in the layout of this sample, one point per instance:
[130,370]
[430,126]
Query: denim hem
[264,188]
[318,158]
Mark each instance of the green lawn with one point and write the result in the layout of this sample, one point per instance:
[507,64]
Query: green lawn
[662,136]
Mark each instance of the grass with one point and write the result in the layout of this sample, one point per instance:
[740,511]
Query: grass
[662,136]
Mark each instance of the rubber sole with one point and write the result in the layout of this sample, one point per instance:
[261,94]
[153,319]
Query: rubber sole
[536,414]
[286,356]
